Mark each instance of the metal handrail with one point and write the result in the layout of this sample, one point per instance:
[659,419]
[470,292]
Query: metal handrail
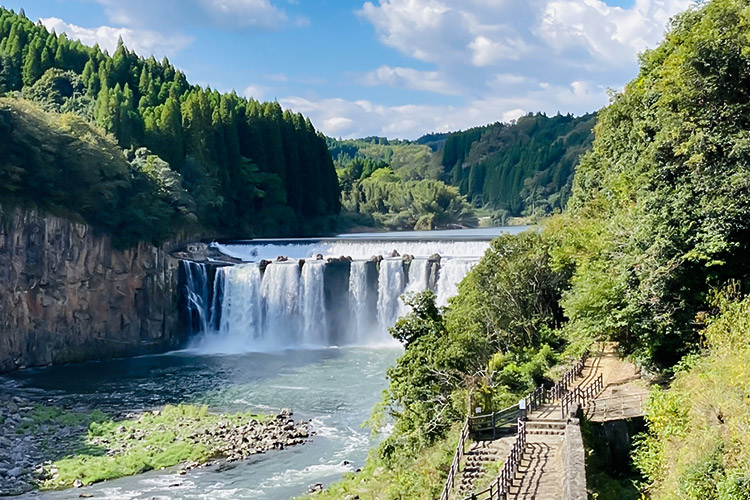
[581,395]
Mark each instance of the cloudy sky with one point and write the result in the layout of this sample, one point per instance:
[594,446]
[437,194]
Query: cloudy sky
[395,68]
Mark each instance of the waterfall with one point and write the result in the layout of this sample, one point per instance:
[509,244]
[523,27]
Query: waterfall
[390,287]
[196,295]
[280,290]
[298,303]
[241,318]
[312,296]
[214,319]
[452,271]
[358,304]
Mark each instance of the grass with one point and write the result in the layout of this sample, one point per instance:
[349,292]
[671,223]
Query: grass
[51,415]
[698,443]
[155,440]
[421,478]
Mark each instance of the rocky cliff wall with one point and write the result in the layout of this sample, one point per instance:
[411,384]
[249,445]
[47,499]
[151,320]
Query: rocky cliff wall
[66,294]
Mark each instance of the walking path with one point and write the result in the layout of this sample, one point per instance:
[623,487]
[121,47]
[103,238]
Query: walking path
[541,474]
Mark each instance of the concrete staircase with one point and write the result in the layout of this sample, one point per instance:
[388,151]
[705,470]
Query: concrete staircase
[479,456]
[540,475]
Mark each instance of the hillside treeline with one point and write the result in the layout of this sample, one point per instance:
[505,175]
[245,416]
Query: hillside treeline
[248,168]
[500,170]
[522,168]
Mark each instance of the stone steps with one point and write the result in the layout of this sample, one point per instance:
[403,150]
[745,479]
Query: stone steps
[476,459]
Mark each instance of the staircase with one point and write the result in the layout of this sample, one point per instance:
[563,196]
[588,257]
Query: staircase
[532,467]
[480,455]
[540,473]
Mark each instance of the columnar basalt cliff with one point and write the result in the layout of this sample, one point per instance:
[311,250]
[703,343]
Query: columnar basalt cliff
[66,294]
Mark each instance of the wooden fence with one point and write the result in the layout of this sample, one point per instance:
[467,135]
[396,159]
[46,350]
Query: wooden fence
[453,472]
[494,423]
[581,396]
[499,488]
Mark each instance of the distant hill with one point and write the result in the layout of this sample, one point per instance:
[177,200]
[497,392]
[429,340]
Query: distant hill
[524,168]
[518,169]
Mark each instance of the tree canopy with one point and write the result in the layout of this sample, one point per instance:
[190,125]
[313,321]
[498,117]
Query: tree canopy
[251,168]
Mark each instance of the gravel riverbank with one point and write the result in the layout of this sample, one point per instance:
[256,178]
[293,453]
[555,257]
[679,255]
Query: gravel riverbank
[46,447]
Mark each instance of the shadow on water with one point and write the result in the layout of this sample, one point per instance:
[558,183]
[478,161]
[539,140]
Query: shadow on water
[128,385]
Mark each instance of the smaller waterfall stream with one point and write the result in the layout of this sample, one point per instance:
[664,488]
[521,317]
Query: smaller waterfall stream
[419,274]
[452,271]
[359,309]
[390,288]
[280,292]
[241,312]
[196,295]
[313,310]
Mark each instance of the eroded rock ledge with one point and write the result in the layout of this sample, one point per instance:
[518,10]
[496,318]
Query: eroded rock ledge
[66,294]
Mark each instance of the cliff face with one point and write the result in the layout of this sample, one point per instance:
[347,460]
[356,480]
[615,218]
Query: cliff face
[67,295]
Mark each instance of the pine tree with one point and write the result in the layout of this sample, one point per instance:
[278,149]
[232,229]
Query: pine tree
[32,68]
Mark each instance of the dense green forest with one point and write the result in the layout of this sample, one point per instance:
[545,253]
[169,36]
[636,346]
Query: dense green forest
[394,184]
[523,168]
[246,168]
[500,170]
[650,252]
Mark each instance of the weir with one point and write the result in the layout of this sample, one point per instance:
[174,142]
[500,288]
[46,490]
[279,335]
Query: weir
[303,293]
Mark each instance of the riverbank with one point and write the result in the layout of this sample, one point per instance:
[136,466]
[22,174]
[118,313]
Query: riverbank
[43,447]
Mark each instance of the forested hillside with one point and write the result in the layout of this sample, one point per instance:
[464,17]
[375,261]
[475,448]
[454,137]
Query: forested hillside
[248,168]
[651,252]
[518,169]
[524,168]
[395,184]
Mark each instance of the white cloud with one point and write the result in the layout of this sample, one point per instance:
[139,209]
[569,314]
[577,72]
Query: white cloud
[609,34]
[499,59]
[338,117]
[430,81]
[252,15]
[254,91]
[143,42]
[487,32]
[488,52]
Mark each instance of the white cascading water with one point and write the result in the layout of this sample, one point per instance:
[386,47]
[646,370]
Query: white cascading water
[452,271]
[418,282]
[280,290]
[241,310]
[285,305]
[358,306]
[196,286]
[390,288]
[214,313]
[358,250]
[313,304]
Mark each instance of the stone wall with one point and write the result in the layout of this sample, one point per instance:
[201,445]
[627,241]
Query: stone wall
[66,294]
[574,462]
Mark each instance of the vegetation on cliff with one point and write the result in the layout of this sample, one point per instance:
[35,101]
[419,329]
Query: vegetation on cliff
[698,444]
[238,167]
[658,220]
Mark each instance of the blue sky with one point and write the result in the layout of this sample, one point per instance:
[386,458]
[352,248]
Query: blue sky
[396,68]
